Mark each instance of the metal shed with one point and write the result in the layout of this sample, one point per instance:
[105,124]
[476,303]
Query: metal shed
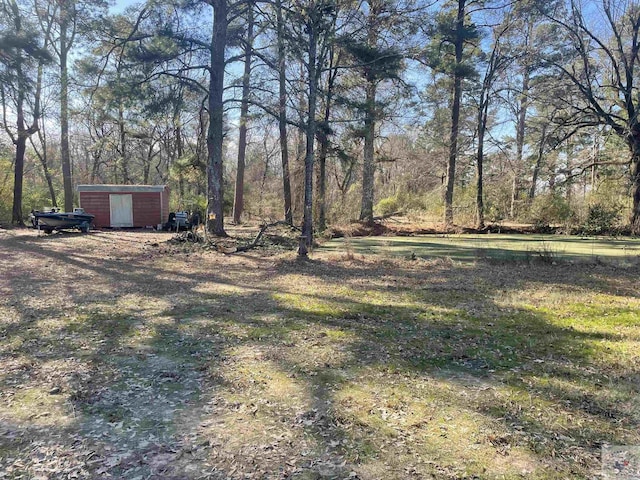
[125,205]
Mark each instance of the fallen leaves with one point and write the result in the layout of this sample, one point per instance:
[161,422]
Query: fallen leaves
[131,358]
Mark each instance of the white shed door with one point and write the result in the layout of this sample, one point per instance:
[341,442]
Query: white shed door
[121,210]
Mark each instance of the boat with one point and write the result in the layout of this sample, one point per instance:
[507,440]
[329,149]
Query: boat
[56,220]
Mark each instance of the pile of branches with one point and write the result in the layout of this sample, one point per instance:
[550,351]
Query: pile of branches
[257,241]
[233,245]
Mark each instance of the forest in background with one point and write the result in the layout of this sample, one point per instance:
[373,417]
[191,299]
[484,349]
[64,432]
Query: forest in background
[321,112]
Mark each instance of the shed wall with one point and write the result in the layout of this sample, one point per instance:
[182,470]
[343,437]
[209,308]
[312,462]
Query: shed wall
[97,203]
[149,208]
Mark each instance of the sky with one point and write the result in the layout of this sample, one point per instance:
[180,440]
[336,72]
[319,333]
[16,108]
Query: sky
[120,5]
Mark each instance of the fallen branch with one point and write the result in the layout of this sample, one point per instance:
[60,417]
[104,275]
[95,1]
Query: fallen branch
[376,219]
[256,241]
[388,215]
[188,236]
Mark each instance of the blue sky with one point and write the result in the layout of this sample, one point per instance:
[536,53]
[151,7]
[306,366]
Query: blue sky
[120,5]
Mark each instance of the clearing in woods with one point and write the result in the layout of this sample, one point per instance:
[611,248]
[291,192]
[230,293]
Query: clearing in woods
[127,356]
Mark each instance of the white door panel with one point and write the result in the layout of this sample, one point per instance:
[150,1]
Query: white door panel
[121,210]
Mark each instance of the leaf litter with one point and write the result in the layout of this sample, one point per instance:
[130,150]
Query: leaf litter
[128,356]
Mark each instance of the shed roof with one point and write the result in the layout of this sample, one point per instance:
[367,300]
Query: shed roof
[121,188]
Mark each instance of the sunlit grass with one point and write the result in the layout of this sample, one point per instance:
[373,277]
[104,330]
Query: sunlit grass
[385,368]
[492,246]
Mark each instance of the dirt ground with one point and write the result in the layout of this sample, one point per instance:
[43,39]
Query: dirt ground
[75,394]
[127,356]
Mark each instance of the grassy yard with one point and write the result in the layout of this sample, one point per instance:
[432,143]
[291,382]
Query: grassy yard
[125,356]
[495,247]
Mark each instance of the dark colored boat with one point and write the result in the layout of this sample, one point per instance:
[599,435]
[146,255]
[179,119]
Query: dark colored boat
[54,220]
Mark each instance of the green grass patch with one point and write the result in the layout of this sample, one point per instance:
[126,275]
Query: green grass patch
[466,248]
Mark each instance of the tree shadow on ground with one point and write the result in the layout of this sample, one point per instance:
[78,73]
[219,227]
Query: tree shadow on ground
[325,331]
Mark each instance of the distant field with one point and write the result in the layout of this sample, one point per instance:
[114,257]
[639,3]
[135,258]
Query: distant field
[493,246]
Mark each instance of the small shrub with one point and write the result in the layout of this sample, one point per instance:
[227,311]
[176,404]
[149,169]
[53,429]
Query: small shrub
[551,208]
[545,254]
[402,201]
[388,205]
[601,219]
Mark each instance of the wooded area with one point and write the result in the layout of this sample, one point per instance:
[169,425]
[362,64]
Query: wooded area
[321,112]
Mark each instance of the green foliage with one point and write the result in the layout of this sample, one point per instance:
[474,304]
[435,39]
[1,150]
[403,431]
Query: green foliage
[403,201]
[379,63]
[35,193]
[550,208]
[387,205]
[440,53]
[604,207]
[465,205]
[190,202]
[601,219]
[35,197]
[434,203]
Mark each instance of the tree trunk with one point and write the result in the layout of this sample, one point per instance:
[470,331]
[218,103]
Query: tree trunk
[538,165]
[123,145]
[306,239]
[42,136]
[215,197]
[455,116]
[282,116]
[20,140]
[520,135]
[369,166]
[238,201]
[301,146]
[45,166]
[64,112]
[323,137]
[322,181]
[482,127]
[634,144]
[514,195]
[21,143]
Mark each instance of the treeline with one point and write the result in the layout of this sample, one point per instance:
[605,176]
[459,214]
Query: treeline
[328,110]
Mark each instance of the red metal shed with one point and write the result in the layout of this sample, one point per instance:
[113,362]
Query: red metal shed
[125,205]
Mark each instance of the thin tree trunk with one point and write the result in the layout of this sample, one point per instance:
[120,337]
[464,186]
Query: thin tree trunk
[263,181]
[323,137]
[634,143]
[368,154]
[42,156]
[455,116]
[64,112]
[20,139]
[635,175]
[123,145]
[238,202]
[43,141]
[322,181]
[482,127]
[301,145]
[514,195]
[215,191]
[282,116]
[520,135]
[538,165]
[307,224]
[369,166]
